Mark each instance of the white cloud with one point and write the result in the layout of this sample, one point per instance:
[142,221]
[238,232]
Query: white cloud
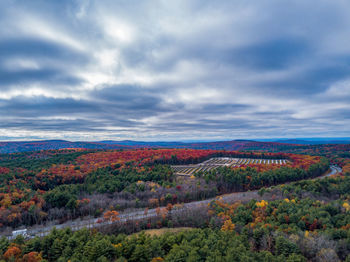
[205,64]
[339,89]
[120,31]
[21,64]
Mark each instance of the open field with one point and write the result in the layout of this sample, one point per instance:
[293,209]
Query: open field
[212,163]
[162,231]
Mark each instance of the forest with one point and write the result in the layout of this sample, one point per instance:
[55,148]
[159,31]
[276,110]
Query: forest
[286,229]
[49,185]
[284,212]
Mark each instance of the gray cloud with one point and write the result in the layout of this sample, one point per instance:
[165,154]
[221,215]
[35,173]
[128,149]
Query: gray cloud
[174,70]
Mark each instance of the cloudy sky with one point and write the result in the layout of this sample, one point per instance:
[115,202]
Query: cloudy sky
[174,70]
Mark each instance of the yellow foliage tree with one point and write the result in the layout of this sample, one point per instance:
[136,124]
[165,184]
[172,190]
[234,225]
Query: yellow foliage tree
[6,202]
[228,226]
[262,203]
[157,259]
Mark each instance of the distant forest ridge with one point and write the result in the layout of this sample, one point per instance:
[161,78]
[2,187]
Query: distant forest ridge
[23,146]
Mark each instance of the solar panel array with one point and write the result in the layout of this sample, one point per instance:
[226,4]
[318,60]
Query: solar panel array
[215,162]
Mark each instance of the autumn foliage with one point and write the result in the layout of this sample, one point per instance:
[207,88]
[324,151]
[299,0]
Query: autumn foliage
[24,182]
[296,161]
[13,252]
[111,216]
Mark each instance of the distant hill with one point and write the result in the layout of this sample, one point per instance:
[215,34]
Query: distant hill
[219,145]
[239,145]
[23,146]
[280,145]
[143,143]
[314,142]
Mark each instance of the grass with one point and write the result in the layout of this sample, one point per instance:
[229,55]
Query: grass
[161,231]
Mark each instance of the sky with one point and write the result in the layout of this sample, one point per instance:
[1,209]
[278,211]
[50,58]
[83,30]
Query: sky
[174,70]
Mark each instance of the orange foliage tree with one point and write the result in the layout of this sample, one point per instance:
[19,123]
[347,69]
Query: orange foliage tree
[32,257]
[12,253]
[111,215]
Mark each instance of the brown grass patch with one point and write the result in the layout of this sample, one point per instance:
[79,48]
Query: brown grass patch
[161,231]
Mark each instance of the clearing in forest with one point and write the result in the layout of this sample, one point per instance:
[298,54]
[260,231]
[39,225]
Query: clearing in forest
[215,162]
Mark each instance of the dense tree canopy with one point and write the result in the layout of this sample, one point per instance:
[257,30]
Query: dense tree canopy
[307,220]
